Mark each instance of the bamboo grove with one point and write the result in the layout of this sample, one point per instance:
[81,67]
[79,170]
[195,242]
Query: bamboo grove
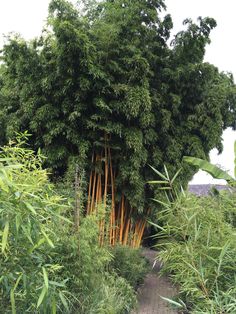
[120,226]
[102,88]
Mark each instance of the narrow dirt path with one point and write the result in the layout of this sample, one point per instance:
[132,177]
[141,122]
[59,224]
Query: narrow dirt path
[149,294]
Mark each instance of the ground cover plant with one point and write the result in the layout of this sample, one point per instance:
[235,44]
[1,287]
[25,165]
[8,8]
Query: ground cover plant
[197,243]
[129,264]
[45,266]
[103,87]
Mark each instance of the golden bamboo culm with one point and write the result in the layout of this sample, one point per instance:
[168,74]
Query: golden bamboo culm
[119,227]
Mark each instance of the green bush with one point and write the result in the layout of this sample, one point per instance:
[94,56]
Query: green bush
[198,250]
[130,264]
[113,295]
[227,201]
[44,266]
[87,265]
[30,210]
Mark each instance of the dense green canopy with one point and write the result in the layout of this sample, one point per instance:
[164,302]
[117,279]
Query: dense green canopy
[110,70]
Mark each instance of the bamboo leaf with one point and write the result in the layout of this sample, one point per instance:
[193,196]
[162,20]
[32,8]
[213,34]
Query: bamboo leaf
[193,268]
[41,297]
[17,282]
[63,300]
[5,159]
[158,182]
[159,173]
[160,202]
[27,233]
[179,305]
[13,167]
[47,238]
[30,207]
[222,254]
[45,277]
[157,226]
[54,306]
[175,176]
[57,284]
[18,221]
[166,172]
[5,236]
[40,242]
[60,216]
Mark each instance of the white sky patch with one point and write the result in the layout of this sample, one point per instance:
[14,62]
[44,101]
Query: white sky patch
[28,17]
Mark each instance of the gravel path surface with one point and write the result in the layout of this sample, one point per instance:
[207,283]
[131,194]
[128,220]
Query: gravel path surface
[149,294]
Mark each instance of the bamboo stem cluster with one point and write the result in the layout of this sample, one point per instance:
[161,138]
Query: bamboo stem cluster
[117,224]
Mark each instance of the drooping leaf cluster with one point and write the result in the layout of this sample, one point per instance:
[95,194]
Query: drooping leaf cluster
[108,70]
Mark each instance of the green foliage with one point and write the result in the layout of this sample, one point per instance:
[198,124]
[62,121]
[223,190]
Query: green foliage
[99,291]
[129,264]
[30,210]
[110,70]
[45,266]
[213,170]
[112,296]
[196,238]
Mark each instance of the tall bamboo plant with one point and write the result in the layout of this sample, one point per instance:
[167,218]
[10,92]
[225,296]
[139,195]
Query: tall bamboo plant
[119,222]
[196,244]
[29,211]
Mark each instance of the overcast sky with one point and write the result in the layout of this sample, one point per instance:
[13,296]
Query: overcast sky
[221,52]
[27,17]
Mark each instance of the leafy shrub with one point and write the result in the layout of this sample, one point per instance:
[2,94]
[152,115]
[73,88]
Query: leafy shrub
[30,210]
[87,267]
[113,296]
[128,263]
[45,266]
[199,252]
[227,201]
